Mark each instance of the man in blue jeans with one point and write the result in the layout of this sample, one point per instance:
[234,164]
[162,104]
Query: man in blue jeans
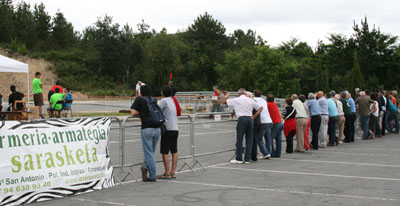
[150,134]
[363,103]
[276,130]
[243,107]
[265,127]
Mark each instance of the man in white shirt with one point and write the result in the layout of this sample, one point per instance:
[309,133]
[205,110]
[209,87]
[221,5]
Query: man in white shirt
[301,122]
[264,129]
[243,107]
[138,85]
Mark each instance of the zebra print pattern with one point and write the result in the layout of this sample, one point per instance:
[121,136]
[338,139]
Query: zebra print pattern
[60,192]
[58,123]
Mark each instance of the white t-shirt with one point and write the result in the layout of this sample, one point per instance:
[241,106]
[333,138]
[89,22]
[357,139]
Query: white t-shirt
[243,106]
[264,115]
[339,108]
[168,108]
[138,88]
[376,113]
[300,109]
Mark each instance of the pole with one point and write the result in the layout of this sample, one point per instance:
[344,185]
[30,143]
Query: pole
[27,79]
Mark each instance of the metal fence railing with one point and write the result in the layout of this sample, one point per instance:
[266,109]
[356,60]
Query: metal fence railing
[131,149]
[200,134]
[218,134]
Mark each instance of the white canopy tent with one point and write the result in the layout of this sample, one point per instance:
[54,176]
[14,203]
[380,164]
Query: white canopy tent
[11,65]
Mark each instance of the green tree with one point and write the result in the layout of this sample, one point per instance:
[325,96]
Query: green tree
[355,75]
[63,35]
[261,68]
[42,26]
[7,22]
[376,51]
[207,36]
[25,25]
[242,40]
[101,42]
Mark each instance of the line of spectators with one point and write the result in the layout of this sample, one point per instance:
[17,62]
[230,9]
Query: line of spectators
[329,120]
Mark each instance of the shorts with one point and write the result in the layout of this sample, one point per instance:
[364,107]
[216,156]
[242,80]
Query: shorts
[38,99]
[169,142]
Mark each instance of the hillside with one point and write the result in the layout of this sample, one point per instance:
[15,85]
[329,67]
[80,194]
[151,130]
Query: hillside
[19,79]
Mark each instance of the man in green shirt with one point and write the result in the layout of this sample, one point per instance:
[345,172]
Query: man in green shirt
[54,107]
[37,92]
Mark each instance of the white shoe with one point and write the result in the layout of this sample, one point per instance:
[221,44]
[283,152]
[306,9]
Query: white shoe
[236,162]
[340,142]
[246,162]
[265,156]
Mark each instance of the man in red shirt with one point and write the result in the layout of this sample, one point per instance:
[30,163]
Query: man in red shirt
[51,92]
[276,131]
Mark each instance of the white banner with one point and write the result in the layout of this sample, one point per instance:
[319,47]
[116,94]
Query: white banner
[42,160]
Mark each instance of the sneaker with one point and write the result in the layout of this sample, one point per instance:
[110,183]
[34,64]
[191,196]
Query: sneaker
[144,174]
[265,156]
[246,162]
[236,162]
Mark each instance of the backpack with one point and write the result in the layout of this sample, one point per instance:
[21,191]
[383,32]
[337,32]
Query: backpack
[156,117]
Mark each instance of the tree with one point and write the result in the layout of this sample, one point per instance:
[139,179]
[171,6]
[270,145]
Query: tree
[376,51]
[62,32]
[101,42]
[25,25]
[355,75]
[6,23]
[42,26]
[207,36]
[261,68]
[242,40]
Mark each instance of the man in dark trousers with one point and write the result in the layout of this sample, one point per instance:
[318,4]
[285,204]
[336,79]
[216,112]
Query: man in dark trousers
[243,107]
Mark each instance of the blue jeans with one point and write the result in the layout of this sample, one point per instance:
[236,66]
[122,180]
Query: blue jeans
[276,134]
[150,138]
[394,116]
[364,120]
[332,129]
[265,130]
[244,126]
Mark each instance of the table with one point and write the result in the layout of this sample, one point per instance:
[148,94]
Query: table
[15,115]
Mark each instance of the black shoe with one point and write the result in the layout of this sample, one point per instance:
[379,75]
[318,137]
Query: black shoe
[149,180]
[330,145]
[253,159]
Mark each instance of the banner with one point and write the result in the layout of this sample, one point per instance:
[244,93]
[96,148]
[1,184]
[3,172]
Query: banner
[42,160]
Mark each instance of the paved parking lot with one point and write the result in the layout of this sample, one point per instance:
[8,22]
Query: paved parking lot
[366,172]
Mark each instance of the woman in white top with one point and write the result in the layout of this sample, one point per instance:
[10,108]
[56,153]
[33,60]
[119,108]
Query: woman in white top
[374,115]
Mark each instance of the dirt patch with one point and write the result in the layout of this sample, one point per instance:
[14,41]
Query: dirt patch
[48,77]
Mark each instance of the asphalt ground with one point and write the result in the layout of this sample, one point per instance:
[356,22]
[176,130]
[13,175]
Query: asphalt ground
[366,172]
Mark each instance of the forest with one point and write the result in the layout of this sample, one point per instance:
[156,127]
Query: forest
[108,59]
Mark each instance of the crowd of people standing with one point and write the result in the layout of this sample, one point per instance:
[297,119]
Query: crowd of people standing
[324,120]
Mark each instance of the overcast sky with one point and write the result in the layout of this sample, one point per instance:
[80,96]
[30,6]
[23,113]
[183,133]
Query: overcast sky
[274,20]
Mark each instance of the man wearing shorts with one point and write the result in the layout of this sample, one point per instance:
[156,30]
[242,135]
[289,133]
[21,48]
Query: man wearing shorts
[169,139]
[37,93]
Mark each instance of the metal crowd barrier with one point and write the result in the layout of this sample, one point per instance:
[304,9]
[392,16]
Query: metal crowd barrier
[219,135]
[131,144]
